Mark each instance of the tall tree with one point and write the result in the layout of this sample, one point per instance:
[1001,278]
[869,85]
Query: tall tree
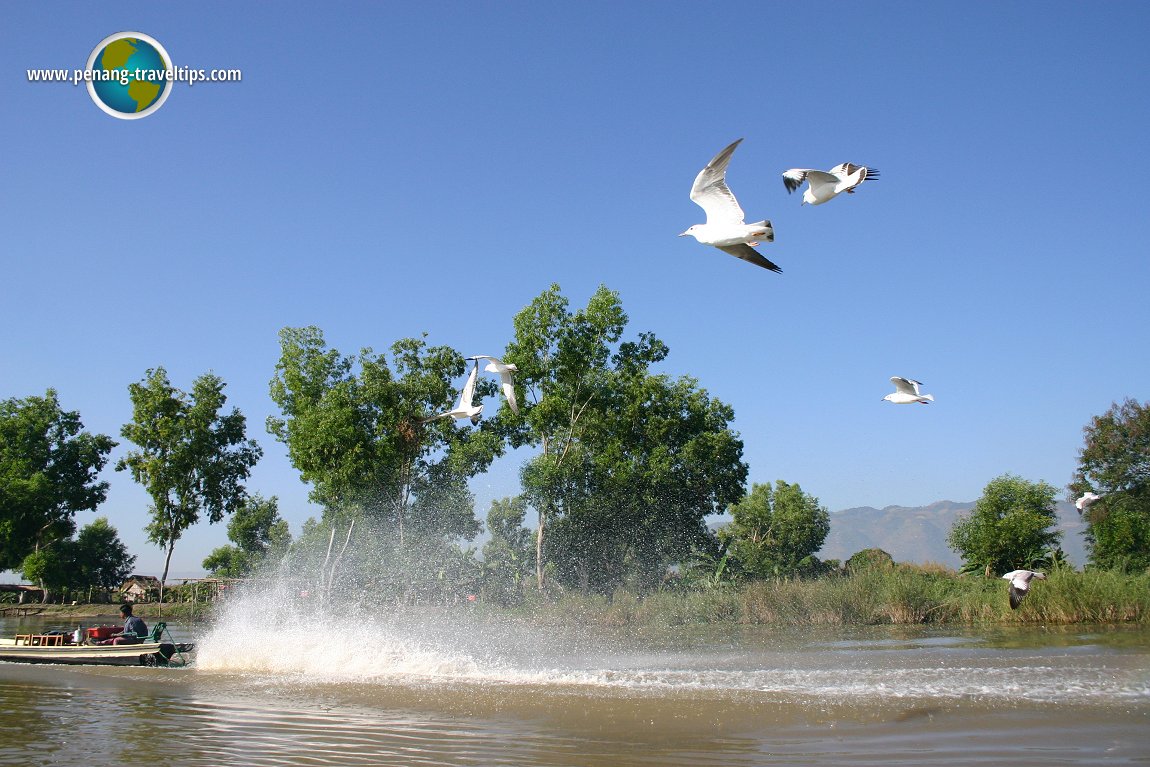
[1011,526]
[192,458]
[257,532]
[773,530]
[561,358]
[354,428]
[48,470]
[660,459]
[630,462]
[1115,463]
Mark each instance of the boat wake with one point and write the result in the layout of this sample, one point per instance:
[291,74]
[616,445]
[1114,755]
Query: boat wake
[286,638]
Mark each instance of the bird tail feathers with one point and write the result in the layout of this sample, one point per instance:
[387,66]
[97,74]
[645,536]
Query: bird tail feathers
[770,230]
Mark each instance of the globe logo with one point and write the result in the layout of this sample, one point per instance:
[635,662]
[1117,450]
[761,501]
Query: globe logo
[128,75]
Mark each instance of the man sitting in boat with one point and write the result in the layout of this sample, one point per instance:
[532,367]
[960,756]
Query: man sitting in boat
[134,628]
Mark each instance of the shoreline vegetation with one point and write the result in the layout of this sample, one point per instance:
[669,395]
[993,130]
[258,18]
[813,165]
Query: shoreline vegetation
[898,595]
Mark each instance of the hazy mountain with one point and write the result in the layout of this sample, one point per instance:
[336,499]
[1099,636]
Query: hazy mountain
[918,534]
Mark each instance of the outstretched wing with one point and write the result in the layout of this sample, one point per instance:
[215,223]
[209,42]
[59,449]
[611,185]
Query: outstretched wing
[794,178]
[711,193]
[906,385]
[509,392]
[749,254]
[845,169]
[468,394]
[1016,595]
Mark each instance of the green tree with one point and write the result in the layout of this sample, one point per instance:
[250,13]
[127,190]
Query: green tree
[774,532]
[257,532]
[48,470]
[354,428]
[509,556]
[54,568]
[1010,527]
[658,457]
[1115,463]
[869,559]
[561,359]
[192,458]
[629,463]
[102,559]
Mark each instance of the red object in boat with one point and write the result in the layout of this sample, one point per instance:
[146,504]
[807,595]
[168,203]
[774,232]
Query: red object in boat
[100,633]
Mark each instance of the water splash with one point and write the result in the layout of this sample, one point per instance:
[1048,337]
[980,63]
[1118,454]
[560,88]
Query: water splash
[274,632]
[278,629]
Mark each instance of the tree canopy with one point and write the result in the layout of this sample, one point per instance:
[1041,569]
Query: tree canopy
[48,471]
[1010,527]
[256,532]
[630,462]
[191,457]
[774,531]
[1115,463]
[95,558]
[356,429]
[358,437]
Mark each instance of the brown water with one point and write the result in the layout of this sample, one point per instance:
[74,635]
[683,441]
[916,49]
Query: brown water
[448,688]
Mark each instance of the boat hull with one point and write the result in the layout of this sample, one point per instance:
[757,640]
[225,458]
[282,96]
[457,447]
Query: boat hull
[145,654]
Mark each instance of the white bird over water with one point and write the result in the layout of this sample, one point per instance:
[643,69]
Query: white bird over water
[906,392]
[1086,501]
[725,229]
[1020,585]
[504,371]
[464,408]
[824,185]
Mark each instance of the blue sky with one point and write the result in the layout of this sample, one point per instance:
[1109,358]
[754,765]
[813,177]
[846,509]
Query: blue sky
[387,169]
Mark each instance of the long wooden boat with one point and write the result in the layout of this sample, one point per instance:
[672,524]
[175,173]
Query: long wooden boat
[143,654]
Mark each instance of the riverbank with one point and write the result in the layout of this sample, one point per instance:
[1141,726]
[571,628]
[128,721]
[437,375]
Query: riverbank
[185,612]
[892,596]
[881,596]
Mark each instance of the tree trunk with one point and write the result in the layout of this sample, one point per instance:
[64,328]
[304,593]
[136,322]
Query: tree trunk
[167,563]
[539,534]
[539,550]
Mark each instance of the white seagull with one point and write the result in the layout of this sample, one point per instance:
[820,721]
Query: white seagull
[1086,501]
[504,371]
[725,228]
[828,184]
[1020,585]
[464,408]
[906,391]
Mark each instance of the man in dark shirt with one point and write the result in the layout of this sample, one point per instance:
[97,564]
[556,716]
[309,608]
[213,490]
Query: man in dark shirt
[135,630]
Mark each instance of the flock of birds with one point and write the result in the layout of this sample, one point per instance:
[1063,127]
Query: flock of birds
[465,407]
[726,230]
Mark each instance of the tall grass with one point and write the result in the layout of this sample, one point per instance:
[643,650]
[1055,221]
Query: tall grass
[895,595]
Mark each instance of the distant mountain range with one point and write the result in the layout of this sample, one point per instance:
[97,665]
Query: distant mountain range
[917,534]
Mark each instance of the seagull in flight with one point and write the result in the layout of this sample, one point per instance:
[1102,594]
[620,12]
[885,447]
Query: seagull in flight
[464,408]
[906,392]
[1020,585]
[504,371]
[725,228]
[1086,501]
[825,185]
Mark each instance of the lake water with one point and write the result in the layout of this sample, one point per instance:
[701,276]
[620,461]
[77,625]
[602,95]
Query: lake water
[446,687]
